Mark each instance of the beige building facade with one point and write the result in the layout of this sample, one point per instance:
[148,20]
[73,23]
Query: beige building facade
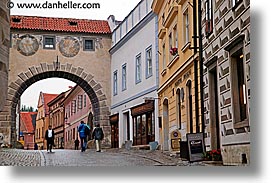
[179,91]
[42,118]
[226,52]
[73,49]
[4,53]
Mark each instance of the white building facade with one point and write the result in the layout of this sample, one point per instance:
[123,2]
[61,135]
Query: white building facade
[134,66]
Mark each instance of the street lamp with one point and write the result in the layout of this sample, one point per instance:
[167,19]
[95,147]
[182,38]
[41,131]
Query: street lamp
[56,64]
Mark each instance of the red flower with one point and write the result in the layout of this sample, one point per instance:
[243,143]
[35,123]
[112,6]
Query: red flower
[174,51]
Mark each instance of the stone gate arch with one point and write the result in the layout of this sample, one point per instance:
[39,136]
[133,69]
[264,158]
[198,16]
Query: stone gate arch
[68,71]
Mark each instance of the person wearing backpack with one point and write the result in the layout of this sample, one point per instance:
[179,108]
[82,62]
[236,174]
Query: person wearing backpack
[98,135]
[84,131]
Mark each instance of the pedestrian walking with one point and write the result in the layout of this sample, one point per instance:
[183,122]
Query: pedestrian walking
[35,146]
[98,135]
[84,131]
[76,144]
[49,136]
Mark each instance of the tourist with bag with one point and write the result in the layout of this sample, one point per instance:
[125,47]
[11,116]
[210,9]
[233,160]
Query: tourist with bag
[98,135]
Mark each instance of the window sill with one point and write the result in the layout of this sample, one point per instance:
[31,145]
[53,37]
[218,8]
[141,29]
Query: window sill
[236,5]
[88,49]
[171,63]
[147,77]
[186,47]
[241,124]
[163,72]
[49,48]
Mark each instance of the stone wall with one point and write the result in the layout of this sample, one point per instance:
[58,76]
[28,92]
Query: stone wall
[229,37]
[30,63]
[4,52]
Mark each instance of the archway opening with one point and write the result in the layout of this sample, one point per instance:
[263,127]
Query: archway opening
[91,88]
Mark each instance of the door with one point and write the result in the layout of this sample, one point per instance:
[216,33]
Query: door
[165,125]
[114,135]
[214,112]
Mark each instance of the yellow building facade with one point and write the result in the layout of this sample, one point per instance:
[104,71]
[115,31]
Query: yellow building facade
[42,119]
[179,90]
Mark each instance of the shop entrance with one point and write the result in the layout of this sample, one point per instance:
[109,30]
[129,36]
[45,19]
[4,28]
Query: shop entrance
[143,124]
[114,131]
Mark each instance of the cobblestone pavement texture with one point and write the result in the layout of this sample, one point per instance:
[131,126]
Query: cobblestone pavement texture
[108,157]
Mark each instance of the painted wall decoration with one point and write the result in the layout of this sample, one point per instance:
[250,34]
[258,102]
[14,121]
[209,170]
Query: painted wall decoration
[27,45]
[69,47]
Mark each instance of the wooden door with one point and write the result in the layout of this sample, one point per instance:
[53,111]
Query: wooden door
[114,135]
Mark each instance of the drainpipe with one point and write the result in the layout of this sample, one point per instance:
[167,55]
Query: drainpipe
[196,65]
[201,67]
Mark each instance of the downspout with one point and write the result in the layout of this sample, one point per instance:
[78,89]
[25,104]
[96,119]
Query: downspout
[196,65]
[201,66]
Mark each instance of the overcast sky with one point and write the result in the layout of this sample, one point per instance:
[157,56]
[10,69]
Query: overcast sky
[119,8]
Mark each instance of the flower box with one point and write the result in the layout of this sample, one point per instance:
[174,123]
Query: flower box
[174,51]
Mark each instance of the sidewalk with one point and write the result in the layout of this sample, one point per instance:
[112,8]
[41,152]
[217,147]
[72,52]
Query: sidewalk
[163,158]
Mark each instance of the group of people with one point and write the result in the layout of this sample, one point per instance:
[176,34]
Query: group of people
[84,131]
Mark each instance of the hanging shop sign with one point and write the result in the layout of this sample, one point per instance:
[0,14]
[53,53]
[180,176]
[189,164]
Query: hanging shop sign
[148,106]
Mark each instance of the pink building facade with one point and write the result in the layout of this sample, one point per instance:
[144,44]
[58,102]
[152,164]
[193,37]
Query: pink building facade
[77,108]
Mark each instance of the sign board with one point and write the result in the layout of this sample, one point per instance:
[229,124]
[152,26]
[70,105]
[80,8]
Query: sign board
[195,146]
[175,140]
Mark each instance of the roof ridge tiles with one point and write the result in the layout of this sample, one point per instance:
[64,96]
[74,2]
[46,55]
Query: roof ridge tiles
[60,24]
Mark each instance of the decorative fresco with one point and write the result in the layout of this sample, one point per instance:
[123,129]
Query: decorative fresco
[69,47]
[27,45]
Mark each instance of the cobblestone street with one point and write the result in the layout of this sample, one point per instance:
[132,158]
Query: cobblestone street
[108,157]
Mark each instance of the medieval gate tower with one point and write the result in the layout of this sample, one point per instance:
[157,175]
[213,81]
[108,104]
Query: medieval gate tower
[73,49]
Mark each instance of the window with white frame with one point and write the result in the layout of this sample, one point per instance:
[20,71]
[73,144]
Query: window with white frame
[170,45]
[115,83]
[186,27]
[149,62]
[85,101]
[163,57]
[124,74]
[138,68]
[49,42]
[79,101]
[73,107]
[209,17]
[175,36]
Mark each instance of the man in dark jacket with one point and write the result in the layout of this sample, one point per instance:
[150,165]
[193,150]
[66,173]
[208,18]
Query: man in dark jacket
[98,135]
[49,136]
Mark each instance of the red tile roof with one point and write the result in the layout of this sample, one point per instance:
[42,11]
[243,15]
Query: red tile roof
[26,122]
[60,24]
[47,98]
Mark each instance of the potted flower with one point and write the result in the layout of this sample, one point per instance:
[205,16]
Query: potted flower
[213,155]
[174,51]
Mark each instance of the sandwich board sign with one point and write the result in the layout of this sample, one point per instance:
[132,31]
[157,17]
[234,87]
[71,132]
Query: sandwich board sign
[195,146]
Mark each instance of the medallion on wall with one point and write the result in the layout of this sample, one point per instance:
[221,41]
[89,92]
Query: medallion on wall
[69,47]
[27,45]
